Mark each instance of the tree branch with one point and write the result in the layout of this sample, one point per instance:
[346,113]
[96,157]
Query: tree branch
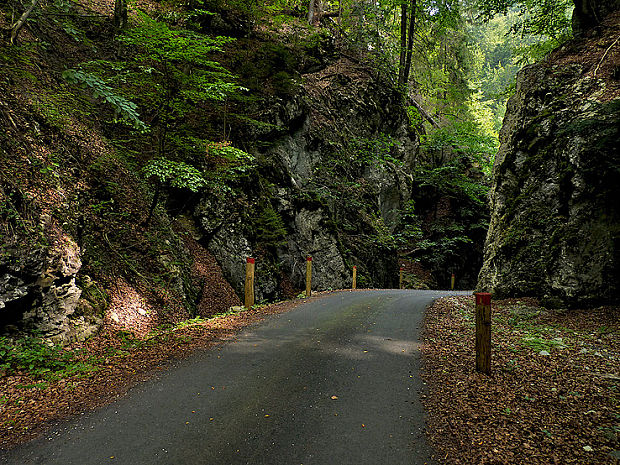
[422,111]
[21,21]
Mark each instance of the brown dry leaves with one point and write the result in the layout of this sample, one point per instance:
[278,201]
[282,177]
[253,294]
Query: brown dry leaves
[560,408]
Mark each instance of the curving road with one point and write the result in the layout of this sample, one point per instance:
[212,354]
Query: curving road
[334,381]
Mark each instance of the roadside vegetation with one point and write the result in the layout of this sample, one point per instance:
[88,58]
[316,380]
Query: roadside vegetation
[115,122]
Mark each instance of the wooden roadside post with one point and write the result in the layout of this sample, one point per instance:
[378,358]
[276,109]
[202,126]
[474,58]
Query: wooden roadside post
[400,280]
[452,282]
[483,332]
[249,282]
[354,285]
[308,276]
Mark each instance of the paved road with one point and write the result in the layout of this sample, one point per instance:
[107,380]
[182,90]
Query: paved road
[334,381]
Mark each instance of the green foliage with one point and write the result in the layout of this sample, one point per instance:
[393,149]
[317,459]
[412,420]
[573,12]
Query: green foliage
[174,174]
[227,164]
[191,322]
[376,150]
[415,117]
[444,249]
[538,343]
[229,153]
[547,22]
[274,68]
[40,358]
[269,228]
[551,18]
[155,41]
[124,109]
[450,179]
[464,140]
[380,235]
[410,230]
[358,154]
[181,58]
[442,60]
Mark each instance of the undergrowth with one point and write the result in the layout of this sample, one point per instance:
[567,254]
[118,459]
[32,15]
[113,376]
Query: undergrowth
[41,359]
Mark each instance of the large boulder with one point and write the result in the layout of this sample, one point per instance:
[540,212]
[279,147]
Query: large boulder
[555,225]
[38,291]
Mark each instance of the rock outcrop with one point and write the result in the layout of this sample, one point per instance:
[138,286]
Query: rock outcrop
[555,225]
[333,192]
[38,291]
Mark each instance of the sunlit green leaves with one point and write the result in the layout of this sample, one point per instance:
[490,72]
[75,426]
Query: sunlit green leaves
[174,173]
[467,138]
[548,20]
[229,163]
[156,41]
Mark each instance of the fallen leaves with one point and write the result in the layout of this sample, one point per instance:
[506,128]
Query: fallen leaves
[534,409]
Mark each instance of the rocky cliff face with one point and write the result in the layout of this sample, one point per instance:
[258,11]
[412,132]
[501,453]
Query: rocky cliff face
[38,290]
[334,178]
[555,225]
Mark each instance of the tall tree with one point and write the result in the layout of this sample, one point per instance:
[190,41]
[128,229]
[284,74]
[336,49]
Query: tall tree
[120,14]
[409,51]
[403,42]
[315,11]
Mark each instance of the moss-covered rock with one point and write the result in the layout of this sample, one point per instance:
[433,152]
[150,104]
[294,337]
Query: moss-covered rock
[555,221]
[332,181]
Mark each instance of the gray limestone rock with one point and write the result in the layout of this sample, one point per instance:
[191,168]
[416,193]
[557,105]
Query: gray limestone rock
[310,238]
[38,291]
[231,248]
[554,230]
[333,108]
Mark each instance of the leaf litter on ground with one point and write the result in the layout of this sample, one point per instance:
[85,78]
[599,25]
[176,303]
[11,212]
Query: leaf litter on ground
[560,408]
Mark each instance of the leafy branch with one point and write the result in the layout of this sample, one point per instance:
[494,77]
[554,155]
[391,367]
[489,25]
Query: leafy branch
[124,109]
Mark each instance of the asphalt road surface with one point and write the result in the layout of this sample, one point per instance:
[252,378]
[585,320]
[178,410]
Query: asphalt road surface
[334,381]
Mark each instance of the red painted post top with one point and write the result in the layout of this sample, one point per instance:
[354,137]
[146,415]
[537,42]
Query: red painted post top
[483,298]
[251,260]
[309,258]
[402,269]
[355,267]
[453,275]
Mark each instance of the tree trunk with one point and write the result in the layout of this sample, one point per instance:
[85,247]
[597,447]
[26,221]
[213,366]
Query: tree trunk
[311,12]
[403,43]
[21,21]
[316,13]
[410,41]
[422,111]
[120,14]
[153,205]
